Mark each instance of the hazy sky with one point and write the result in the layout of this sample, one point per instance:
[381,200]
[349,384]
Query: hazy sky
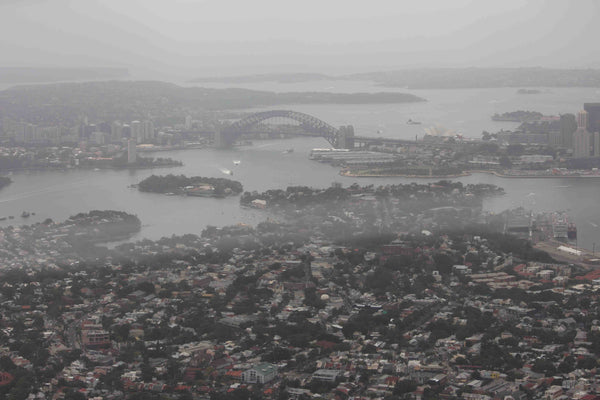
[208,37]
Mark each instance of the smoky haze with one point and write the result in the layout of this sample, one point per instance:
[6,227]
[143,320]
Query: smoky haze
[185,39]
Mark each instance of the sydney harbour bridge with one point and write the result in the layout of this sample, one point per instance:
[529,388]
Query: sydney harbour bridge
[300,124]
[341,138]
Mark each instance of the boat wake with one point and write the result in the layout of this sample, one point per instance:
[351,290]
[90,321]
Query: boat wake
[226,171]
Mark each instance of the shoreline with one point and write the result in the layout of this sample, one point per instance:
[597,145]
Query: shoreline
[463,174]
[88,168]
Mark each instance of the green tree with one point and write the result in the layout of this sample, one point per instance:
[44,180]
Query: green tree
[505,162]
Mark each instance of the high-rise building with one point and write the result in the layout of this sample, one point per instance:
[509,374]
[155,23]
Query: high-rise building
[98,138]
[596,144]
[131,151]
[116,131]
[148,130]
[593,111]
[104,127]
[137,131]
[582,119]
[568,126]
[126,131]
[581,137]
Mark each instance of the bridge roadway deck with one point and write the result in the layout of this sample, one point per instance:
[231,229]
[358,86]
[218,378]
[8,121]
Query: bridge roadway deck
[374,139]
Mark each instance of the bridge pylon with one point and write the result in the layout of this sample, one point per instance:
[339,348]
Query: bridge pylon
[218,139]
[223,140]
[345,137]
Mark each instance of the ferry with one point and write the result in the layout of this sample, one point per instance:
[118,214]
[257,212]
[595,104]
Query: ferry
[411,122]
[541,226]
[559,226]
[316,154]
[563,228]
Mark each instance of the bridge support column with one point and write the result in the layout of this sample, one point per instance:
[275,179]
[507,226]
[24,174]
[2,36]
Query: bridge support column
[346,137]
[222,140]
[218,139]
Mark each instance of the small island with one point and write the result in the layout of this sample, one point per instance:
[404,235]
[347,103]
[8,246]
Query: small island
[4,181]
[518,116]
[529,91]
[199,186]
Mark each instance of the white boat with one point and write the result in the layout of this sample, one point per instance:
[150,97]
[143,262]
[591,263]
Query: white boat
[236,162]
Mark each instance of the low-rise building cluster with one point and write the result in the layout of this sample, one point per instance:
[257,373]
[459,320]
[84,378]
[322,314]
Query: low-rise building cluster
[283,311]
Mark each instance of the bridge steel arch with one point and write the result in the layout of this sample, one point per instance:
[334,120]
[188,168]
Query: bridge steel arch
[330,133]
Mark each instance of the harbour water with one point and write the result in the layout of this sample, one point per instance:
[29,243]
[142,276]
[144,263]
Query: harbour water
[266,165]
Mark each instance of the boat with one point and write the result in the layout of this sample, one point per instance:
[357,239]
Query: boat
[236,162]
[411,122]
[2,218]
[287,151]
[562,226]
[25,214]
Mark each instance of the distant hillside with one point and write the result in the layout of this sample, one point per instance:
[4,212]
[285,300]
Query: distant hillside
[65,103]
[442,78]
[30,74]
[281,78]
[452,78]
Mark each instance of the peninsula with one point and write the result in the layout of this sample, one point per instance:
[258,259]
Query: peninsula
[518,116]
[63,103]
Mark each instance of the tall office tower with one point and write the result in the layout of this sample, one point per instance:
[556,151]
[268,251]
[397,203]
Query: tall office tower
[98,138]
[88,130]
[568,126]
[582,119]
[131,151]
[104,127]
[581,137]
[116,131]
[137,131]
[148,130]
[188,122]
[596,144]
[593,110]
[126,131]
